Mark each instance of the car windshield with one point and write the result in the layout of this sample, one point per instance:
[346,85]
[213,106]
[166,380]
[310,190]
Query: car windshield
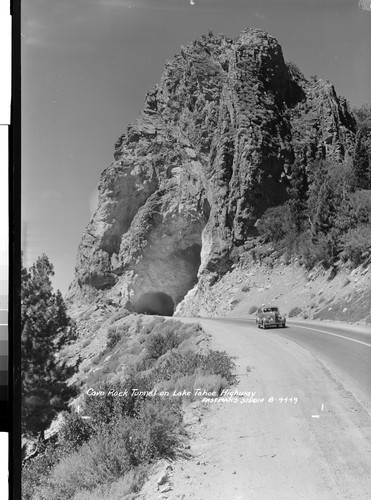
[270,309]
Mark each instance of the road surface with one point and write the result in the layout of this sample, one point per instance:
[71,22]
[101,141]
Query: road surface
[344,350]
[304,434]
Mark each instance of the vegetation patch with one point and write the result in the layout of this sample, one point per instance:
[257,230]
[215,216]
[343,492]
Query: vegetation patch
[135,416]
[327,218]
[295,312]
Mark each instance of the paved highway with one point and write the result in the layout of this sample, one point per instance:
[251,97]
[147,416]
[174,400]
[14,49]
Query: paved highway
[344,350]
[308,434]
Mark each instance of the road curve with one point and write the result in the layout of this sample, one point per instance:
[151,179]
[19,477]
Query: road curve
[305,437]
[344,350]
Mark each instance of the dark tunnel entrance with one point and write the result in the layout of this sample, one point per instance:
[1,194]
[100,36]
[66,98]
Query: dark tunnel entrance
[155,303]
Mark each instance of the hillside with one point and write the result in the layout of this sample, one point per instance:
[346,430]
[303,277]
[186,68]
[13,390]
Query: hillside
[300,294]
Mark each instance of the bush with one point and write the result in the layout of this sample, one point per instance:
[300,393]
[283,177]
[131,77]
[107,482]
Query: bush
[318,251]
[356,245]
[159,343]
[155,432]
[294,312]
[75,431]
[116,449]
[114,335]
[101,460]
[147,329]
[189,363]
[125,487]
[274,224]
[35,471]
[105,408]
[253,309]
[163,338]
[119,315]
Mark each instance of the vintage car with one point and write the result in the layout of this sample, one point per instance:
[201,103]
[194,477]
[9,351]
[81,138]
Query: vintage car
[268,316]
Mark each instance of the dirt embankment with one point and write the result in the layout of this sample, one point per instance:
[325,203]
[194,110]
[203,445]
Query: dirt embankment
[301,436]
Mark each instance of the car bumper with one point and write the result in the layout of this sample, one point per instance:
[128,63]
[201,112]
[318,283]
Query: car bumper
[274,324]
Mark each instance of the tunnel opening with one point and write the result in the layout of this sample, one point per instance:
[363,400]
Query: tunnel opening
[156,303]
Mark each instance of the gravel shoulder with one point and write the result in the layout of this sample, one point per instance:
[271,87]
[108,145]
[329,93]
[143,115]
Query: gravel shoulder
[318,448]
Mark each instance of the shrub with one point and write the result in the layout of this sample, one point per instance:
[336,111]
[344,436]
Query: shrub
[253,309]
[155,432]
[274,224]
[130,484]
[75,431]
[147,329]
[104,458]
[113,336]
[119,315]
[163,339]
[316,251]
[356,244]
[107,407]
[219,363]
[189,363]
[179,383]
[246,288]
[294,312]
[116,448]
[35,471]
[115,333]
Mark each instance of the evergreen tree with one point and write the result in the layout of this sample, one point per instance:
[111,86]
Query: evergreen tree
[298,193]
[362,159]
[43,321]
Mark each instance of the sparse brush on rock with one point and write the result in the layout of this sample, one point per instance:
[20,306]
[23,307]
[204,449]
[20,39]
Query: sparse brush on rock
[295,312]
[115,334]
[158,343]
[119,315]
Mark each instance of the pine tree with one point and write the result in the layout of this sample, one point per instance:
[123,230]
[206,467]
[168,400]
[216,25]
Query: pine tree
[298,193]
[43,321]
[362,159]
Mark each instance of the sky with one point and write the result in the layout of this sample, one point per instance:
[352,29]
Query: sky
[87,65]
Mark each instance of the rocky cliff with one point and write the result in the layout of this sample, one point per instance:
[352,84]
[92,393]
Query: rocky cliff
[213,148]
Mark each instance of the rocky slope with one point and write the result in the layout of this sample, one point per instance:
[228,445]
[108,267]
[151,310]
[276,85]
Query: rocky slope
[301,294]
[212,150]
